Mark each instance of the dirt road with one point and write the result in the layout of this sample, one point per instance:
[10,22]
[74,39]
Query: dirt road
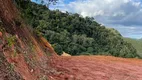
[97,68]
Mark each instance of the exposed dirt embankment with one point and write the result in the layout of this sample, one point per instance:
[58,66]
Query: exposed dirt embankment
[97,68]
[22,51]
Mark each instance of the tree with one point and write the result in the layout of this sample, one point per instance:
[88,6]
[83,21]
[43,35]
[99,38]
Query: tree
[77,35]
[73,33]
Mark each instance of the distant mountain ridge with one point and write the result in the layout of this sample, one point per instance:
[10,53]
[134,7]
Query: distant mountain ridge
[137,43]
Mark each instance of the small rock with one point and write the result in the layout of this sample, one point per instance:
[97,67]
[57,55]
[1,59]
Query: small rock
[32,70]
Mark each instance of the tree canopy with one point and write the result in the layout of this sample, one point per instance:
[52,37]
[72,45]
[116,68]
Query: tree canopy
[74,34]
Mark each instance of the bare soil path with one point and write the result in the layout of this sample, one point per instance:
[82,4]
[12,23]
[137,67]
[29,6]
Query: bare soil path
[96,68]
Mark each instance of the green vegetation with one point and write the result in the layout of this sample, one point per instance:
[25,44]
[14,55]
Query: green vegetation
[7,69]
[137,43]
[43,77]
[74,34]
[11,40]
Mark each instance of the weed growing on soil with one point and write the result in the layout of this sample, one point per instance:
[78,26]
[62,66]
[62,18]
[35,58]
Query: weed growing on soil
[7,70]
[1,29]
[43,78]
[11,40]
[15,53]
[32,47]
[30,61]
[11,67]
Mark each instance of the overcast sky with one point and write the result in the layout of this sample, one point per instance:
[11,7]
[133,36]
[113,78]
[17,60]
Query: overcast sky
[123,15]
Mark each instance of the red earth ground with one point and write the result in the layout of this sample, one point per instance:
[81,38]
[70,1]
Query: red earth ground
[96,68]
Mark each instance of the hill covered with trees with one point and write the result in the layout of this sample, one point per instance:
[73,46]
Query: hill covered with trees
[74,34]
[137,43]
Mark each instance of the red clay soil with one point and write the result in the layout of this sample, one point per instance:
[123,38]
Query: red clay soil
[96,68]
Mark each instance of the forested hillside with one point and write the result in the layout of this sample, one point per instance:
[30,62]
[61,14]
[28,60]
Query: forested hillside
[137,43]
[74,34]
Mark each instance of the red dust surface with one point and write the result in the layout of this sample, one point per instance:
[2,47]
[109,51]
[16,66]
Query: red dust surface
[96,68]
[0,34]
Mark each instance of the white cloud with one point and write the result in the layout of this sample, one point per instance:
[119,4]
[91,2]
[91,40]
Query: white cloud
[128,31]
[119,14]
